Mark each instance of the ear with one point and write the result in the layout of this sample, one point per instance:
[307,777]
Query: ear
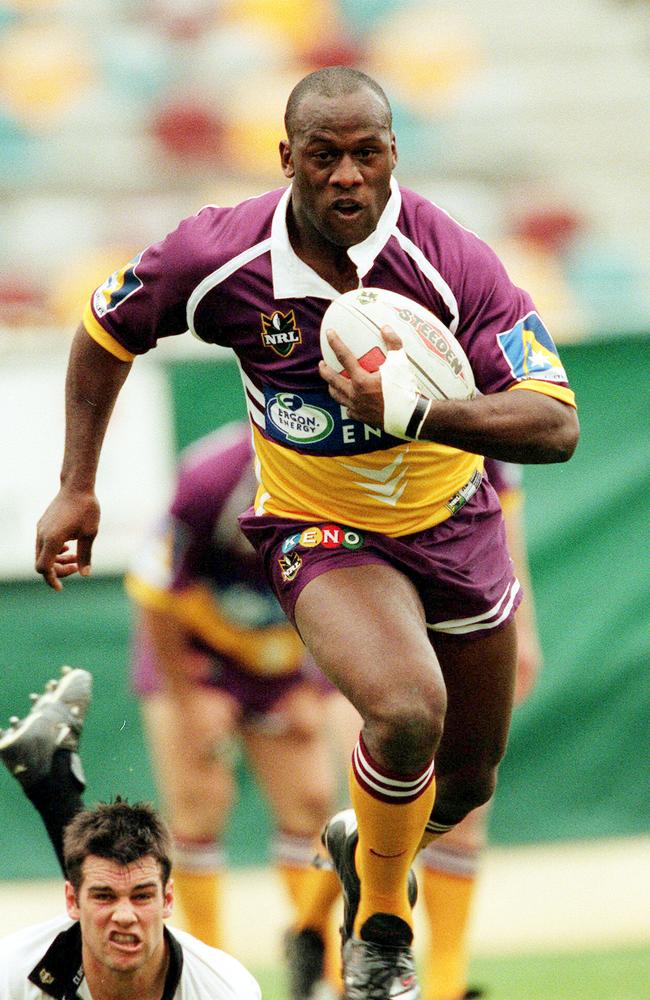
[71,901]
[286,158]
[168,899]
[393,148]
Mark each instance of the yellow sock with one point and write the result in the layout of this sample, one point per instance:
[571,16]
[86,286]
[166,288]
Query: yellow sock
[333,966]
[198,895]
[390,830]
[312,892]
[318,901]
[447,900]
[317,911]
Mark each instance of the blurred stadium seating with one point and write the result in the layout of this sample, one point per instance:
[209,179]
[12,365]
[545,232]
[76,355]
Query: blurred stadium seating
[117,119]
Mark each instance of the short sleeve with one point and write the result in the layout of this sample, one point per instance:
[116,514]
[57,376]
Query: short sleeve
[502,333]
[146,299]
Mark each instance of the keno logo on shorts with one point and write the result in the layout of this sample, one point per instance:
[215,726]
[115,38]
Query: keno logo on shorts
[298,421]
[328,536]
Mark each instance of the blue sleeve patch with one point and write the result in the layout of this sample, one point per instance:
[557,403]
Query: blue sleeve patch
[117,288]
[529,350]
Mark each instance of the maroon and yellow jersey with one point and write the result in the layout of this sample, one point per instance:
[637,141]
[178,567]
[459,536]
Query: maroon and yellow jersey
[231,276]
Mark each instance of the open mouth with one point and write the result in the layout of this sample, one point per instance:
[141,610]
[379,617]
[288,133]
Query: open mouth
[346,208]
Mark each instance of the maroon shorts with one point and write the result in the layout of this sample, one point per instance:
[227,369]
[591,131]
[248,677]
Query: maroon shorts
[461,567]
[256,694]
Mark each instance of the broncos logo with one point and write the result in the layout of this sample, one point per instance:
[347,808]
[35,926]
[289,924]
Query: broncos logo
[290,564]
[280,332]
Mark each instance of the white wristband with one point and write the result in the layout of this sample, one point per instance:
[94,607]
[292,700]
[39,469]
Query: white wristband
[405,409]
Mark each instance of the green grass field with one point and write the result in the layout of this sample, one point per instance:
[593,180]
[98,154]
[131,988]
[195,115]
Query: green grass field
[591,975]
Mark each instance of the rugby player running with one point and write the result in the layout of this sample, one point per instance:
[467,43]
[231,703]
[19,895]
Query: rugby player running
[382,540]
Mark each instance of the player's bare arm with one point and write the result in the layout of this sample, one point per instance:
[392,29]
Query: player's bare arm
[513,426]
[521,426]
[93,382]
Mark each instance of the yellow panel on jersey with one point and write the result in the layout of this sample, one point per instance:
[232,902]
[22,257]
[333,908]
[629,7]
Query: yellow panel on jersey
[269,651]
[104,339]
[396,491]
[547,389]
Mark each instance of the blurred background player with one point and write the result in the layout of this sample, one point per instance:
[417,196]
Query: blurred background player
[214,658]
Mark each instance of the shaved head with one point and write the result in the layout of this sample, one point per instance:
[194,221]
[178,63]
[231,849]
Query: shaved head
[339,155]
[331,82]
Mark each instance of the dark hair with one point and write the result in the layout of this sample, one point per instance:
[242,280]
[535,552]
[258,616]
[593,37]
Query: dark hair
[332,81]
[118,832]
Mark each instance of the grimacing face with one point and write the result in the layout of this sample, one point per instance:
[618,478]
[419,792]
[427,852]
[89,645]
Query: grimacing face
[121,909]
[340,158]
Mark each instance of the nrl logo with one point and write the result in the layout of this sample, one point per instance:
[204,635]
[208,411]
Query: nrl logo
[280,333]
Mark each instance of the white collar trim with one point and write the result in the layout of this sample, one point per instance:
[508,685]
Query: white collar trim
[292,278]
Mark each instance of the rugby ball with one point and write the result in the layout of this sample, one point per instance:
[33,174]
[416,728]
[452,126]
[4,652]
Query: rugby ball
[438,362]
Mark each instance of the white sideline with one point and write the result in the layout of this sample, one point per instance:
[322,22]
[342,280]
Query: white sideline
[560,897]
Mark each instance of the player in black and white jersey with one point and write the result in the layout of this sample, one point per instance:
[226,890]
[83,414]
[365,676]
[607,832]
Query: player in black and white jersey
[113,943]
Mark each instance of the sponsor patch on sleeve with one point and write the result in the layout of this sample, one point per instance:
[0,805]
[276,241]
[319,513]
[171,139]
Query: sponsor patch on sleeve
[117,288]
[530,352]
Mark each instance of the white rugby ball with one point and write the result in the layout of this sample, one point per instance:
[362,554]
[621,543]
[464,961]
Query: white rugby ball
[439,363]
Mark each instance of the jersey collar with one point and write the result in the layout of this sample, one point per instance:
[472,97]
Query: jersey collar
[59,972]
[292,278]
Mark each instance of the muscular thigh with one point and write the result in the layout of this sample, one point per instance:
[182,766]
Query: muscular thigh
[365,628]
[479,675]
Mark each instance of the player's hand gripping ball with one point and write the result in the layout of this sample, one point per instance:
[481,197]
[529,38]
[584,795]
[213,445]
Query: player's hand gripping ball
[430,365]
